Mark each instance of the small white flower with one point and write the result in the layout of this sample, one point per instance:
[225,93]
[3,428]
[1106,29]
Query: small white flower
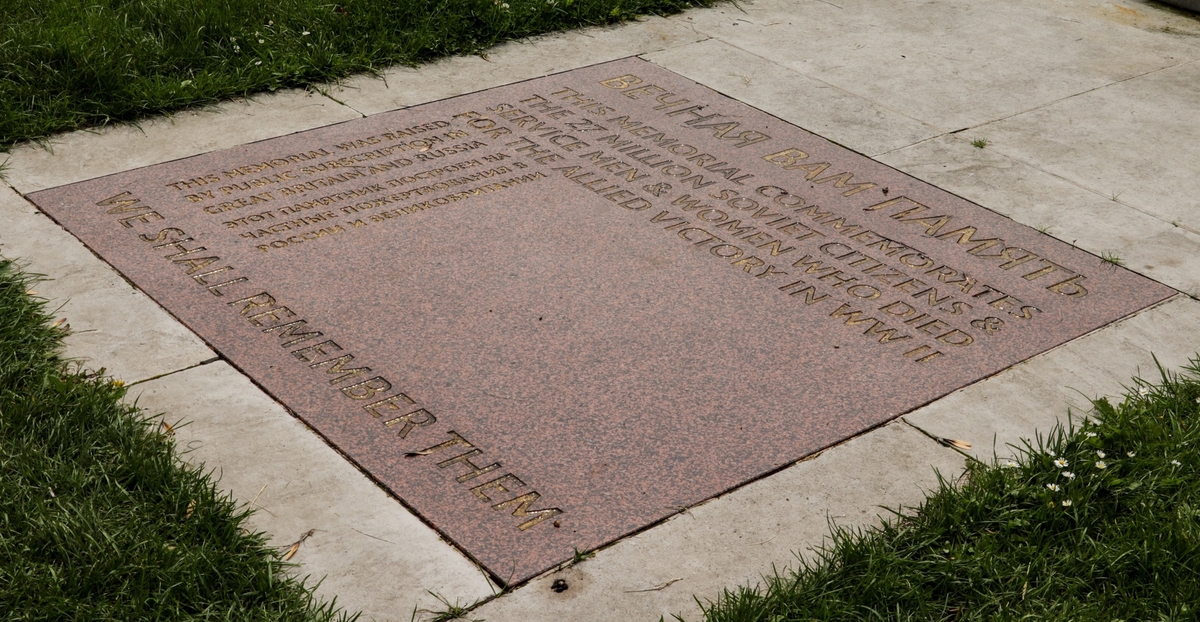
[1099,454]
[233,39]
[1054,487]
[504,5]
[1090,434]
[1068,475]
[1143,391]
[257,63]
[1061,463]
[1176,463]
[1008,464]
[237,48]
[305,33]
[1066,503]
[1100,464]
[261,41]
[1131,453]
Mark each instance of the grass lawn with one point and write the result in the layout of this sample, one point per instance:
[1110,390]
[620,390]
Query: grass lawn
[99,520]
[67,64]
[1099,522]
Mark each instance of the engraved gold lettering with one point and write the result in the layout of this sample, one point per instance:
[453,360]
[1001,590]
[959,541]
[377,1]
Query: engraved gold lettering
[367,389]
[522,510]
[317,349]
[809,293]
[215,289]
[505,483]
[956,338]
[1071,287]
[922,354]
[465,460]
[842,180]
[256,301]
[933,327]
[788,158]
[650,89]
[202,278]
[163,235]
[455,440]
[273,315]
[123,203]
[399,401]
[749,264]
[293,330]
[419,417]
[338,366]
[812,265]
[966,236]
[620,82]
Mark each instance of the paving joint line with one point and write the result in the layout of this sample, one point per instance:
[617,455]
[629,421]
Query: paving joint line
[835,87]
[1189,229]
[1084,92]
[1071,181]
[919,142]
[1053,174]
[1099,194]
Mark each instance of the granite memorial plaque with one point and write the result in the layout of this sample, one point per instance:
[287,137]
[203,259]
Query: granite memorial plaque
[552,313]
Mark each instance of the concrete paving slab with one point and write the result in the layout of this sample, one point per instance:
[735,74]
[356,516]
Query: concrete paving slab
[821,108]
[737,538]
[399,87]
[85,154]
[1032,396]
[112,324]
[958,63]
[1137,141]
[1095,223]
[372,553]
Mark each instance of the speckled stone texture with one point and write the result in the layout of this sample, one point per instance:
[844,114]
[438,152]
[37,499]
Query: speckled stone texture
[552,313]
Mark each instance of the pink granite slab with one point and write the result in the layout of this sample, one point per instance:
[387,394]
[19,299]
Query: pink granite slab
[549,314]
